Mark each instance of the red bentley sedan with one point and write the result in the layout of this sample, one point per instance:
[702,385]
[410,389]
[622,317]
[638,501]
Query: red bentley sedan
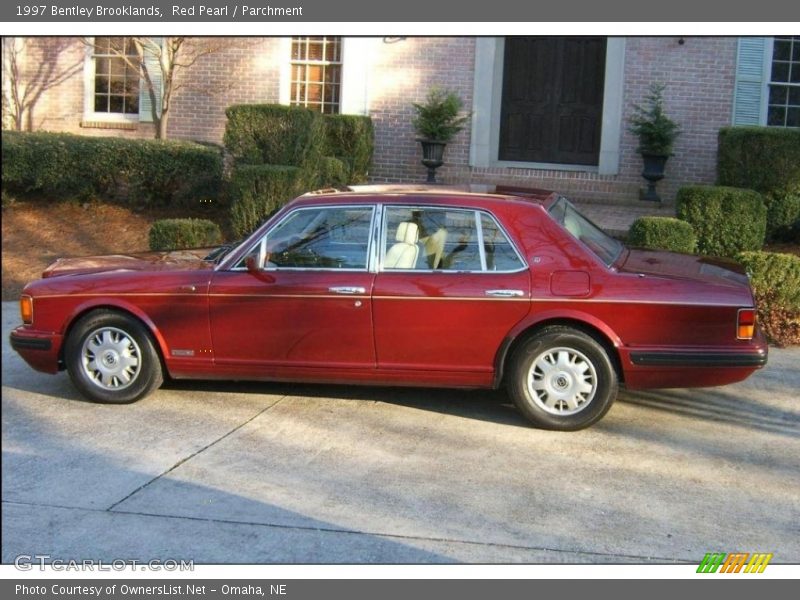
[403,287]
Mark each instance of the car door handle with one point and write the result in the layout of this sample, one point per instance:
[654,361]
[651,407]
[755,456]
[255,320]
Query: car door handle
[347,290]
[505,293]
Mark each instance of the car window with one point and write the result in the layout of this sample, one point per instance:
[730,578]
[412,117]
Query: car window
[445,239]
[318,238]
[500,254]
[600,243]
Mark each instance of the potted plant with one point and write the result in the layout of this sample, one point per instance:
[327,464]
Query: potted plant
[437,121]
[656,133]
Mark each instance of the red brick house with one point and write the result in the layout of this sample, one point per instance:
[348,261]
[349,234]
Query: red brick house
[546,112]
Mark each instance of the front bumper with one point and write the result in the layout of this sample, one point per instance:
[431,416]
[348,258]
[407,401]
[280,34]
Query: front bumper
[39,349]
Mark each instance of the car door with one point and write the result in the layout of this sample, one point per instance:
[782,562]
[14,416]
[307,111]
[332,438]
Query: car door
[303,302]
[450,287]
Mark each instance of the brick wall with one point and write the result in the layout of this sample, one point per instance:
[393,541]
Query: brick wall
[699,75]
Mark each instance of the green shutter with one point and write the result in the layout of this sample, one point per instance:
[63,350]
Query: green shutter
[751,73]
[154,69]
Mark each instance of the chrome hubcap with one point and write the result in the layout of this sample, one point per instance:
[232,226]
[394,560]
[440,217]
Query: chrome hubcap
[111,359]
[562,381]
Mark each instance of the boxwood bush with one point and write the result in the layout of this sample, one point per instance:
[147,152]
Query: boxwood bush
[274,134]
[764,159]
[258,190]
[330,172]
[783,215]
[775,279]
[152,172]
[350,138]
[176,234]
[726,220]
[662,233]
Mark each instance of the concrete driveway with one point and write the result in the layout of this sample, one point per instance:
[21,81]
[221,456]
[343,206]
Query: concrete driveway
[273,473]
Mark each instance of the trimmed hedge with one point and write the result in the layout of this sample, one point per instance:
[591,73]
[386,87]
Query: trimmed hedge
[775,279]
[759,158]
[258,190]
[662,233]
[351,138]
[726,220]
[331,173]
[177,234]
[783,215]
[153,172]
[274,134]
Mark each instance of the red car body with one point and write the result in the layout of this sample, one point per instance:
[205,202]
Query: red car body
[666,319]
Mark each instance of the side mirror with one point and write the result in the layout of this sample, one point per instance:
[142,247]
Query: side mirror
[251,263]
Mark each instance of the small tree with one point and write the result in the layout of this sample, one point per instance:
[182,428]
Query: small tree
[439,118]
[655,130]
[167,59]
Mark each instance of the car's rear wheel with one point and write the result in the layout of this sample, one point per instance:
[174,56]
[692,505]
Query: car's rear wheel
[111,358]
[561,378]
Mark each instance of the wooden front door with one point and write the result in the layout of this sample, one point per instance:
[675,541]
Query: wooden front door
[552,103]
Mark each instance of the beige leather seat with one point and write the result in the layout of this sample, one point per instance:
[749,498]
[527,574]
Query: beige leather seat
[403,254]
[434,247]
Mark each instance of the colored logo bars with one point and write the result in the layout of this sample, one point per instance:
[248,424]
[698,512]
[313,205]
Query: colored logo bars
[733,563]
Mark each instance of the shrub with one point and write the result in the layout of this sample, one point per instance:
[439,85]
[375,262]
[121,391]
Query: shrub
[146,171]
[783,215]
[726,220]
[759,158]
[258,190]
[351,138]
[330,172]
[655,130]
[274,134]
[775,279]
[662,233]
[175,234]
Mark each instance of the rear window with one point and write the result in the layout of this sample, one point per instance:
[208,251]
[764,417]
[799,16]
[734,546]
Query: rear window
[582,229]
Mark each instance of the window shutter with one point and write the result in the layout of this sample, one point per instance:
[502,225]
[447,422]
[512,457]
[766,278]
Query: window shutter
[751,72]
[154,69]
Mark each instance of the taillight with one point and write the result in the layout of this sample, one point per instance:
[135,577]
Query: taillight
[26,309]
[746,323]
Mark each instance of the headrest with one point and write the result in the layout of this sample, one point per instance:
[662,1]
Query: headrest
[407,232]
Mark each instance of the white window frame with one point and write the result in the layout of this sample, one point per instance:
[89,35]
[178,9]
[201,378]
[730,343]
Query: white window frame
[768,83]
[354,88]
[89,114]
[487,100]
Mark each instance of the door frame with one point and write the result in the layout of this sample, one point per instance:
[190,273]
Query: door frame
[487,101]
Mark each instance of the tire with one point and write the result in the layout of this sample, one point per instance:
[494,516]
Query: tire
[562,379]
[111,358]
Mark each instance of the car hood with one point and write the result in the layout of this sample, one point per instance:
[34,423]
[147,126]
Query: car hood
[672,265]
[143,261]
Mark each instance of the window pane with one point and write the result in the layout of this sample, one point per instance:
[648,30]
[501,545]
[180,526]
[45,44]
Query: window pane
[776,116]
[780,71]
[796,49]
[101,84]
[500,255]
[314,51]
[782,50]
[101,103]
[330,238]
[777,94]
[101,66]
[795,77]
[431,238]
[332,51]
[314,92]
[794,96]
[115,104]
[793,117]
[332,74]
[132,104]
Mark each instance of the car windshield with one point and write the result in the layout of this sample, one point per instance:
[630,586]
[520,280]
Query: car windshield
[582,229]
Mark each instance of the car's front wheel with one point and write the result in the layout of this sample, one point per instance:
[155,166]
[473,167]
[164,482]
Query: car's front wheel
[111,358]
[561,378]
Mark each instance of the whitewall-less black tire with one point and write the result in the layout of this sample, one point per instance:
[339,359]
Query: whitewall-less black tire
[561,378]
[111,358]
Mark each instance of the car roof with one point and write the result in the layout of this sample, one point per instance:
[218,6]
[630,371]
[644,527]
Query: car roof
[469,195]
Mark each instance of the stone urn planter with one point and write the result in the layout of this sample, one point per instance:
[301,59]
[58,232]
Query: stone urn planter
[653,172]
[432,157]
[437,121]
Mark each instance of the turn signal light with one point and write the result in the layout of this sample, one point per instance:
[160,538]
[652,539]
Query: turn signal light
[746,324]
[26,309]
